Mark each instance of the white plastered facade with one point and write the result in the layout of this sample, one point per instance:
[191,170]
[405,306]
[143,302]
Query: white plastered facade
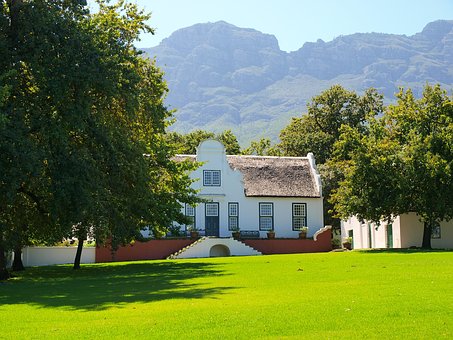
[404,231]
[231,190]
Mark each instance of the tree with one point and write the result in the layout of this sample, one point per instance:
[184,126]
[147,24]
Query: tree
[424,129]
[20,161]
[187,144]
[83,126]
[404,164]
[263,147]
[320,128]
[230,142]
[302,136]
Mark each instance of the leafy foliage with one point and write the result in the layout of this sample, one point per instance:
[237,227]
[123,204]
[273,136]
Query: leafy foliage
[403,164]
[82,126]
[187,144]
[263,147]
[318,130]
[230,141]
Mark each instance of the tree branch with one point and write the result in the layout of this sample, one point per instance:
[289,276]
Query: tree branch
[37,200]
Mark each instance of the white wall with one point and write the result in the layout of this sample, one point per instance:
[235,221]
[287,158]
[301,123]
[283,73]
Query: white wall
[412,233]
[407,232]
[363,231]
[45,256]
[446,236]
[232,190]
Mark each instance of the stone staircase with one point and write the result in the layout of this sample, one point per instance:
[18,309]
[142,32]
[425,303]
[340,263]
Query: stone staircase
[175,255]
[214,247]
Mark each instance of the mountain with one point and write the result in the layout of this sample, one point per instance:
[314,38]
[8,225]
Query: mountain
[221,76]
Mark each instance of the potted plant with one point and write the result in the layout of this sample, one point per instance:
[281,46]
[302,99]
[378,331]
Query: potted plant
[303,232]
[336,243]
[271,234]
[347,243]
[236,233]
[194,233]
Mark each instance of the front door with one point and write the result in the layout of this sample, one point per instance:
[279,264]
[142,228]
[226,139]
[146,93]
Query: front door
[212,219]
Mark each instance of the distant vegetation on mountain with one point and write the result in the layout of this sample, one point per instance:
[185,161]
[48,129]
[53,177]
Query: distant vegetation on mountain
[225,77]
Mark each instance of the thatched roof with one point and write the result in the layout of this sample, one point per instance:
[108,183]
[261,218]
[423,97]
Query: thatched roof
[273,176]
[276,176]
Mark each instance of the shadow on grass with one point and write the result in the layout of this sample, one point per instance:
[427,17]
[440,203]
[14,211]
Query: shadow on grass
[101,286]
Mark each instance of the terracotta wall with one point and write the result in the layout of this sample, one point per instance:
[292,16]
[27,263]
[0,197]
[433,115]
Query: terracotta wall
[151,250]
[161,249]
[292,246]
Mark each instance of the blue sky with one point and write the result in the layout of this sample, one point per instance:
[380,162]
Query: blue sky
[295,22]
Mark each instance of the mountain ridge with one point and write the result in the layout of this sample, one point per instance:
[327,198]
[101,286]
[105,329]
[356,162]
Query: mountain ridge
[221,76]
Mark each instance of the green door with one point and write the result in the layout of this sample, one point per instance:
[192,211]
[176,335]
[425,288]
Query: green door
[351,235]
[389,236]
[212,219]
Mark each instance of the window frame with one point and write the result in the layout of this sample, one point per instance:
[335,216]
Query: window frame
[232,217]
[263,217]
[210,174]
[206,209]
[294,217]
[194,207]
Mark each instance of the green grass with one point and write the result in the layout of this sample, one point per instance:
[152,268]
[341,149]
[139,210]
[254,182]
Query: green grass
[319,296]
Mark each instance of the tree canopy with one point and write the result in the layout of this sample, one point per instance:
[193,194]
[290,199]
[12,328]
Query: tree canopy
[82,125]
[263,147]
[187,144]
[403,164]
[320,128]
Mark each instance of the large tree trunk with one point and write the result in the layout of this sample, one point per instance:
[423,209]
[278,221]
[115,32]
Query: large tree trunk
[4,274]
[426,244]
[78,253]
[17,262]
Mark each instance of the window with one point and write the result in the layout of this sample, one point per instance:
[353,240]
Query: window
[299,215]
[211,178]
[435,230]
[233,216]
[212,209]
[266,216]
[190,214]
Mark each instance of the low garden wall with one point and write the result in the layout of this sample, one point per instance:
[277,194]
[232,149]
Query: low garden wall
[322,243]
[162,248]
[46,256]
[151,250]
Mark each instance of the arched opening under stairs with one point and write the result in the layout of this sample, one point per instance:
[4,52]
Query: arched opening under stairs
[219,250]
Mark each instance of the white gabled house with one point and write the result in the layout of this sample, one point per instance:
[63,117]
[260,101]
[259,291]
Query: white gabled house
[404,231]
[254,193]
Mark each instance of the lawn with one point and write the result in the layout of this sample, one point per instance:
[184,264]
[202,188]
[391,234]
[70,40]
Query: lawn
[318,296]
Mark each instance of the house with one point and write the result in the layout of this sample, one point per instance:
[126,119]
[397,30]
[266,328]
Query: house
[254,193]
[405,231]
